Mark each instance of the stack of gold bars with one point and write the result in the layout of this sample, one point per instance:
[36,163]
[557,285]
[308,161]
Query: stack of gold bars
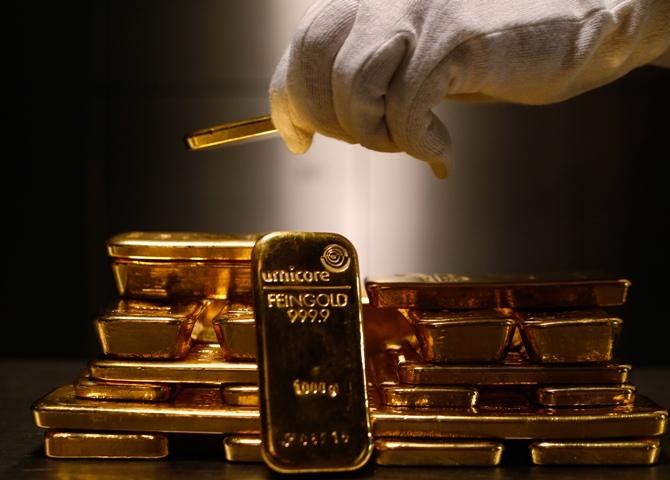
[458,369]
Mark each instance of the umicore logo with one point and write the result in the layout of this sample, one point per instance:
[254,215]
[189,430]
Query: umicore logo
[295,276]
[335,258]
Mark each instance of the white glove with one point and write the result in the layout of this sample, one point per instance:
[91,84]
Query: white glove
[369,71]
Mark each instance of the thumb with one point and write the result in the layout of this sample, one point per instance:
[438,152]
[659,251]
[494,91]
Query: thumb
[426,138]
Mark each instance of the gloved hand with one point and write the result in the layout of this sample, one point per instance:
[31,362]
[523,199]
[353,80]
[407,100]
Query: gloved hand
[369,71]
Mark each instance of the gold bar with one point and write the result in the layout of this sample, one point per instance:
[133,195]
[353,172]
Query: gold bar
[194,410]
[240,395]
[235,330]
[576,336]
[203,332]
[645,451]
[87,387]
[310,353]
[243,449]
[513,374]
[204,364]
[433,397]
[438,453]
[65,444]
[643,419]
[247,129]
[141,329]
[446,291]
[463,337]
[163,265]
[589,395]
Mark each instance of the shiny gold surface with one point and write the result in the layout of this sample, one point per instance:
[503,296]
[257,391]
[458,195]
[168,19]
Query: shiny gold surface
[235,329]
[195,410]
[644,451]
[181,246]
[512,373]
[182,279]
[641,420]
[588,395]
[445,291]
[204,364]
[203,332]
[87,387]
[577,336]
[313,396]
[437,453]
[248,129]
[240,395]
[141,329]
[463,337]
[65,444]
[243,449]
[433,397]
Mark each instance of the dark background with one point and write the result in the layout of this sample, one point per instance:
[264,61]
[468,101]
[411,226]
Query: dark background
[105,91]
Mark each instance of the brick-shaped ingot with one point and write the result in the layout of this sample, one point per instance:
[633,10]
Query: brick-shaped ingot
[437,453]
[141,329]
[243,449]
[64,444]
[159,265]
[568,337]
[313,396]
[203,365]
[644,451]
[87,387]
[585,395]
[240,395]
[235,329]
[463,337]
[449,291]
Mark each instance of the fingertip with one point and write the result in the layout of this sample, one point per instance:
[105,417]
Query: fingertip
[439,169]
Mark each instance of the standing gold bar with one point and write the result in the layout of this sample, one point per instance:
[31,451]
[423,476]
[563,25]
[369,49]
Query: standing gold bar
[643,451]
[643,419]
[247,129]
[204,364]
[63,444]
[140,329]
[163,265]
[448,291]
[463,337]
[313,398]
[438,453]
[577,336]
[194,410]
[243,449]
[587,395]
[240,395]
[512,374]
[86,387]
[235,330]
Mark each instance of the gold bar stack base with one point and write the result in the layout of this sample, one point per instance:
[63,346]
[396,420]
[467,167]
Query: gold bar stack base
[65,444]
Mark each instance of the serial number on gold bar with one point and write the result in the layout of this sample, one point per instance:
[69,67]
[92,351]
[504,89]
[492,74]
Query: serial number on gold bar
[311,378]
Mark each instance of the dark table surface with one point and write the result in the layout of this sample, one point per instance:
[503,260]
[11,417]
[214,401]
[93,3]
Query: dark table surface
[21,455]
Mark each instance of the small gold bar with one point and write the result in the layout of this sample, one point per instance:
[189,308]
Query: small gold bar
[141,329]
[569,337]
[643,419]
[204,364]
[160,265]
[430,396]
[240,395]
[442,291]
[64,444]
[438,453]
[512,374]
[243,449]
[463,337]
[644,451]
[194,410]
[247,129]
[313,396]
[235,330]
[92,389]
[586,396]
